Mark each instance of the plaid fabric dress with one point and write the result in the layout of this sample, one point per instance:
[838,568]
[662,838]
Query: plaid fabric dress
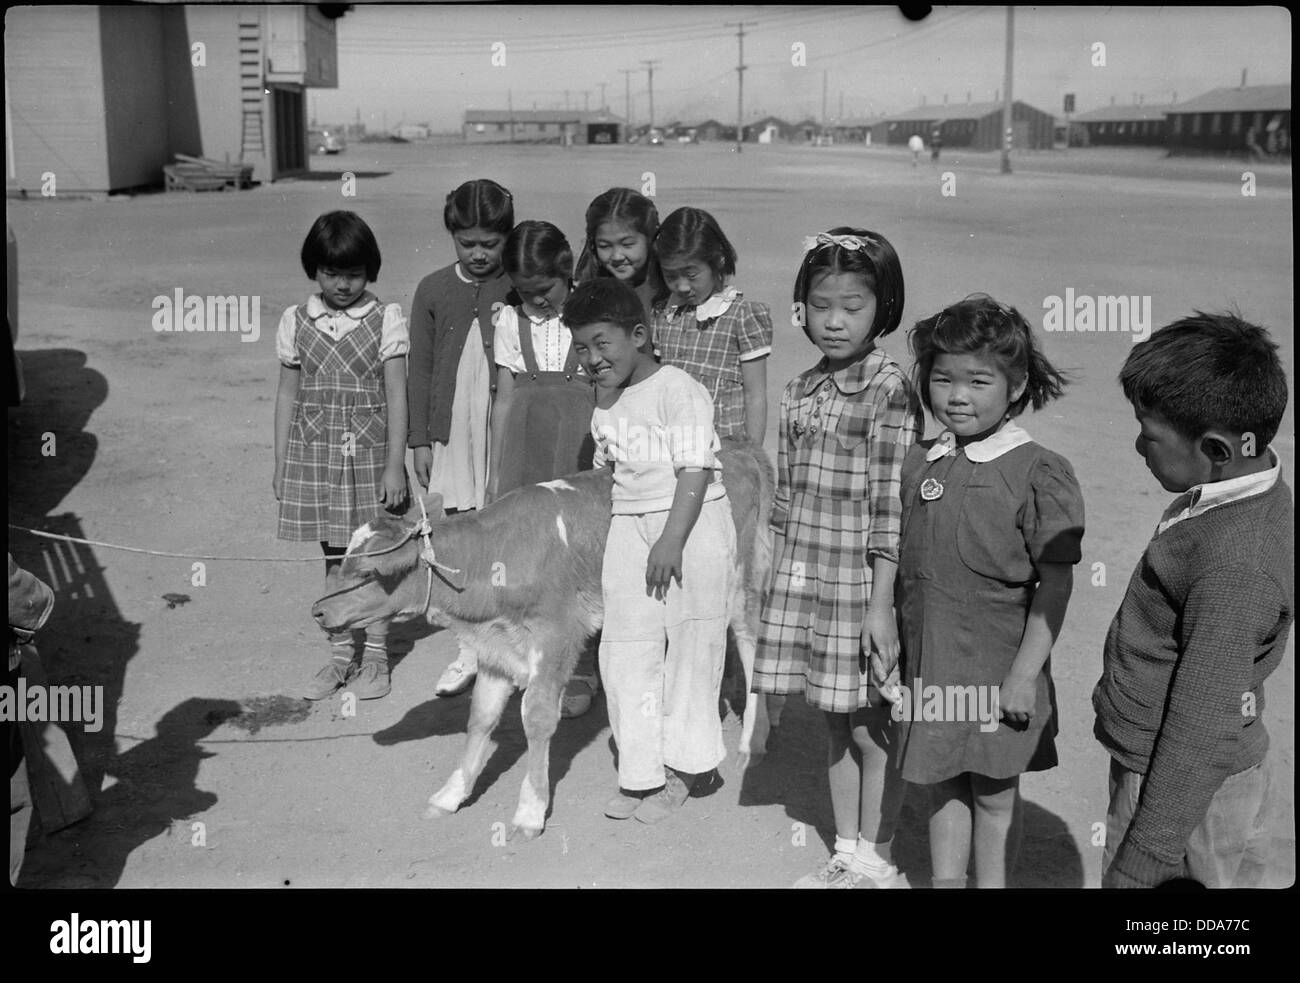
[843,437]
[711,346]
[338,439]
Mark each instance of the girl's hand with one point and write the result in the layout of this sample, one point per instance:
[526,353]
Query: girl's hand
[392,490]
[277,484]
[423,465]
[663,566]
[1018,700]
[880,639]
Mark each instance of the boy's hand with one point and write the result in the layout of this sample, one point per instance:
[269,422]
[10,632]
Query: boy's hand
[392,489]
[1018,700]
[663,566]
[423,465]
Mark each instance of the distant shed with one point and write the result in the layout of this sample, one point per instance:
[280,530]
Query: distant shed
[972,125]
[1220,121]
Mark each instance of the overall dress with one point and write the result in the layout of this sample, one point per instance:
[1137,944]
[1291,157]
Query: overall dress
[338,438]
[966,579]
[548,432]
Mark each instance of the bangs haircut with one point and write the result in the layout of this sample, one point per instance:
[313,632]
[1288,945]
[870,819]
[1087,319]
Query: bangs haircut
[876,262]
[339,241]
[1209,371]
[604,300]
[980,326]
[695,234]
[480,204]
[537,249]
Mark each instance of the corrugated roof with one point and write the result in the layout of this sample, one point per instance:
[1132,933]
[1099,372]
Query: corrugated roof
[1124,114]
[1249,98]
[538,116]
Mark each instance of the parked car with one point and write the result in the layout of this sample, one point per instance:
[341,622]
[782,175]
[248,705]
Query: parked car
[323,140]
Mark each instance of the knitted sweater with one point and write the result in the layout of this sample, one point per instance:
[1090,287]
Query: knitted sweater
[1204,622]
[442,313]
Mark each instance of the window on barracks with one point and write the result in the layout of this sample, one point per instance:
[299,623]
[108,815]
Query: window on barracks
[1216,123]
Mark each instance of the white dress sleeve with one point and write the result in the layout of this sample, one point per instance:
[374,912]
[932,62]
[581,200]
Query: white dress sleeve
[505,343]
[394,338]
[285,350]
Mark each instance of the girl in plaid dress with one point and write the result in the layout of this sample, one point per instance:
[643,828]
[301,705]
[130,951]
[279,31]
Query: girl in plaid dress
[340,420]
[846,425]
[703,323]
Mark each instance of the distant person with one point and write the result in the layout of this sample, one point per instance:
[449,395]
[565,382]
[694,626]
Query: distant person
[452,377]
[936,144]
[1206,615]
[702,323]
[916,145]
[339,418]
[621,225]
[1252,143]
[846,424]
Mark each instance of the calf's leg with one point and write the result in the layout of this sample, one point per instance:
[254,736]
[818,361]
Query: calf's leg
[491,693]
[541,712]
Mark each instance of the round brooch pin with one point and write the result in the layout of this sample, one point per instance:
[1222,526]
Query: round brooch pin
[931,489]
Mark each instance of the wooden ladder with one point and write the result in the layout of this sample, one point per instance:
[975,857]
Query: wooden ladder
[250,83]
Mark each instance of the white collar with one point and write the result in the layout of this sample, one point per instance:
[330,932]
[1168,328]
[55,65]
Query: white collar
[714,306]
[317,308]
[539,320]
[1009,437]
[1201,498]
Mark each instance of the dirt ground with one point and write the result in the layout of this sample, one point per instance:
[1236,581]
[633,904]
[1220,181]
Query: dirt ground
[164,441]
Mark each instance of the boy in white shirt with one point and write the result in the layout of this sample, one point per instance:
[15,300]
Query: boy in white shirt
[669,559]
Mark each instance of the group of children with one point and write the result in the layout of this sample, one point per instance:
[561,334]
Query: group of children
[900,564]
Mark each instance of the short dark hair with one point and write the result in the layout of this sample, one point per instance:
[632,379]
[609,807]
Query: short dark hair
[340,240]
[979,325]
[1209,370]
[694,232]
[604,300]
[537,249]
[479,204]
[875,260]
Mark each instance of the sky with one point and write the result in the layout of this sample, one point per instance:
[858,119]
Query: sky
[429,63]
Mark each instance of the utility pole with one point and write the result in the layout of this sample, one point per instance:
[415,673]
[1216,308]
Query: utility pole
[586,94]
[1007,129]
[510,110]
[740,80]
[627,95]
[825,81]
[650,69]
[566,99]
[603,103]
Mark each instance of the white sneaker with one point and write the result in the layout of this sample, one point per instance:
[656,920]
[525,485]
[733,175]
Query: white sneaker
[838,873]
[455,679]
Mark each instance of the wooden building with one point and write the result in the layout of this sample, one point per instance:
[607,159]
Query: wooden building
[1124,126]
[562,126]
[971,125]
[769,129]
[1221,120]
[104,97]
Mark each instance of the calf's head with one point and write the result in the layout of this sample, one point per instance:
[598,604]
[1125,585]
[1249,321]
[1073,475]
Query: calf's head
[381,577]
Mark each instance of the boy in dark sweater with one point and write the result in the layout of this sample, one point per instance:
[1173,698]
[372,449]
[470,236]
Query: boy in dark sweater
[1207,612]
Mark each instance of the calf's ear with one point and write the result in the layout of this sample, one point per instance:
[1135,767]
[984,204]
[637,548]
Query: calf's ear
[432,505]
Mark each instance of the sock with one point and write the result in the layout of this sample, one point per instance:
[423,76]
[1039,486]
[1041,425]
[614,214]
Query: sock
[341,647]
[376,649]
[844,846]
[873,859]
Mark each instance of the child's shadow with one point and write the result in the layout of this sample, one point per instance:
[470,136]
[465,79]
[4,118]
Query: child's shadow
[154,790]
[793,774]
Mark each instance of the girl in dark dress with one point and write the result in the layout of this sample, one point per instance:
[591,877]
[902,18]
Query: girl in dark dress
[992,524]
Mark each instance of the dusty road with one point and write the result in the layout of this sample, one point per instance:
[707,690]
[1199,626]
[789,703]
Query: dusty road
[164,440]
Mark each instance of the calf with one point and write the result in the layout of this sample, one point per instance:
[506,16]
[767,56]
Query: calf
[519,583]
